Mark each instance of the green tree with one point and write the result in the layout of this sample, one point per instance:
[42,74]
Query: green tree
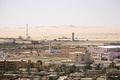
[72,68]
[63,65]
[112,65]
[51,78]
[1,76]
[40,61]
[58,70]
[39,69]
[28,70]
[104,69]
[67,71]
[88,66]
[98,67]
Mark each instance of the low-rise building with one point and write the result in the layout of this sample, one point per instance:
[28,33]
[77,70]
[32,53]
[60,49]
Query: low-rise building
[9,65]
[104,52]
[94,73]
[17,64]
[113,74]
[80,57]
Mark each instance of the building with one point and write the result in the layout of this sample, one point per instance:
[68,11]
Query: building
[104,52]
[80,57]
[4,54]
[113,44]
[23,42]
[34,42]
[9,42]
[17,64]
[75,76]
[113,74]
[9,64]
[93,73]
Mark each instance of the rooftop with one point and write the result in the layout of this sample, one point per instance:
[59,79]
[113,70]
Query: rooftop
[77,53]
[12,60]
[109,46]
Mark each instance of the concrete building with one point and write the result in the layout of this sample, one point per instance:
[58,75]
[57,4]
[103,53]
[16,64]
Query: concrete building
[80,57]
[113,74]
[104,52]
[1,52]
[23,42]
[92,73]
[112,44]
[9,64]
[17,64]
[4,54]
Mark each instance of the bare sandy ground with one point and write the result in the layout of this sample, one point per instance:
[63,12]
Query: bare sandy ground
[51,32]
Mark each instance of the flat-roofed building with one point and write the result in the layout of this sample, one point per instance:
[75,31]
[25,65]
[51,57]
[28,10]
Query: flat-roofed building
[9,64]
[92,73]
[113,74]
[17,64]
[104,52]
[113,43]
[80,57]
[23,41]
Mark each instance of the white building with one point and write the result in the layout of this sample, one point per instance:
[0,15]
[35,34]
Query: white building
[4,55]
[104,52]
[23,41]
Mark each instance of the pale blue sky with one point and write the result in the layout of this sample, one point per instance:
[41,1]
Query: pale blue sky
[17,13]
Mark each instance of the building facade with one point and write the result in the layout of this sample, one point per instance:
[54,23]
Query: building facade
[9,64]
[80,57]
[17,64]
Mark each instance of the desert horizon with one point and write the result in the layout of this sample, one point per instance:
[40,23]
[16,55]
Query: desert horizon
[52,32]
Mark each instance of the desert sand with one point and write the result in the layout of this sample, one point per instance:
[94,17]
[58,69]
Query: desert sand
[52,32]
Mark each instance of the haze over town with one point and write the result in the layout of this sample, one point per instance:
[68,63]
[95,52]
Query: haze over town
[59,39]
[59,18]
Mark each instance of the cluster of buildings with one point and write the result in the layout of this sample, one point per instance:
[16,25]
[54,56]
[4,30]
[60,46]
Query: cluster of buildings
[108,52]
[17,64]
[84,55]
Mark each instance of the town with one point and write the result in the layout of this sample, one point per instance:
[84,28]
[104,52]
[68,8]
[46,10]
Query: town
[59,39]
[59,59]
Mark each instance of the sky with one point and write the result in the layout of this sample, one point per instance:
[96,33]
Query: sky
[18,13]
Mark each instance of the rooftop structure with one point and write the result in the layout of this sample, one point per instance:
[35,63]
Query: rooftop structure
[109,46]
[77,53]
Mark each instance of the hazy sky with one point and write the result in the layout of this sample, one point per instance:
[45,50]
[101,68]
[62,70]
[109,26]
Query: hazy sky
[17,13]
